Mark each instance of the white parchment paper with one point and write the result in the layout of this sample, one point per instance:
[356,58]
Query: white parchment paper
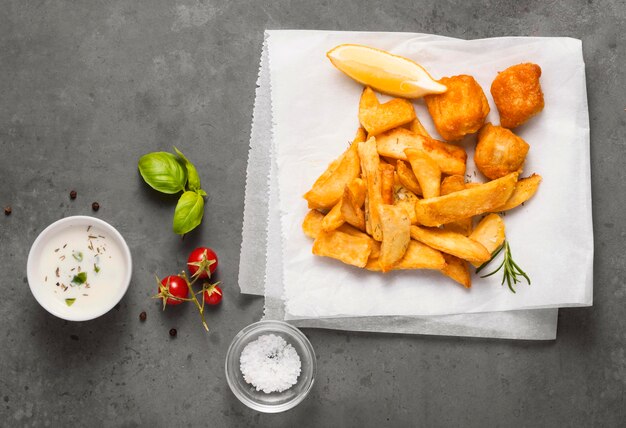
[261,236]
[315,115]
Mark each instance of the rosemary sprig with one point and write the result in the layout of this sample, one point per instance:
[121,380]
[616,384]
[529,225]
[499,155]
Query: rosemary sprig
[511,269]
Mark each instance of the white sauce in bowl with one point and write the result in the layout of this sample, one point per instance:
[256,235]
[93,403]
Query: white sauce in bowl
[79,268]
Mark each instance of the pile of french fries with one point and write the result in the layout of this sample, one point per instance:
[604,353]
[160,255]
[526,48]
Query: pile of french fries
[398,199]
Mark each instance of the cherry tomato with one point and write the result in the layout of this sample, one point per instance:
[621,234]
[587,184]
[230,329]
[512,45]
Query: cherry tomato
[177,288]
[202,257]
[213,296]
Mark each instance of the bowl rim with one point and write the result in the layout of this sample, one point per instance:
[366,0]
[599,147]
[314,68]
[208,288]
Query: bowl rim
[41,238]
[266,326]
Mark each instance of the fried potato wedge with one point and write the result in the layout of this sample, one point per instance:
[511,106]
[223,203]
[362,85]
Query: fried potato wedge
[407,178]
[351,210]
[312,224]
[396,235]
[450,158]
[406,199]
[426,171]
[376,117]
[375,254]
[371,173]
[465,203]
[335,217]
[451,243]
[524,190]
[490,233]
[417,127]
[417,256]
[420,256]
[387,179]
[457,269]
[451,184]
[328,188]
[350,249]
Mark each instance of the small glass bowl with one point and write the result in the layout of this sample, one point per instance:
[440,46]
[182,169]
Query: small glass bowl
[274,402]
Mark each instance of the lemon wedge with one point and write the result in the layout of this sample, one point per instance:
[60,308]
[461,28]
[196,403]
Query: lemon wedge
[385,72]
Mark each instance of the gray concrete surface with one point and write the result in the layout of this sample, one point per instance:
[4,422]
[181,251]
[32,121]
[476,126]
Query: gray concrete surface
[86,87]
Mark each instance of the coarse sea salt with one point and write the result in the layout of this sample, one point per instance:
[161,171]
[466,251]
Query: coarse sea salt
[270,364]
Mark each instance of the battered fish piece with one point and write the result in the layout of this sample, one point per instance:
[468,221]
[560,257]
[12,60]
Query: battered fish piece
[499,152]
[517,94]
[459,111]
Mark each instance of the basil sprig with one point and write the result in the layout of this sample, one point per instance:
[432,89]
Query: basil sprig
[169,173]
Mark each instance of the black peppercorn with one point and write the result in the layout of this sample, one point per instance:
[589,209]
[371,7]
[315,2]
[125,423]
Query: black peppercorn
[7,210]
[95,206]
[143,316]
[73,194]
[173,332]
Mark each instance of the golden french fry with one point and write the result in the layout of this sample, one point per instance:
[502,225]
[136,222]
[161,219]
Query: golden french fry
[417,256]
[490,233]
[420,256]
[465,203]
[417,127]
[350,230]
[451,184]
[449,157]
[407,178]
[396,235]
[328,188]
[373,264]
[312,224]
[350,249]
[335,217]
[358,188]
[369,167]
[451,243]
[358,137]
[457,269]
[524,190]
[427,172]
[406,199]
[375,254]
[390,161]
[387,178]
[376,117]
[351,210]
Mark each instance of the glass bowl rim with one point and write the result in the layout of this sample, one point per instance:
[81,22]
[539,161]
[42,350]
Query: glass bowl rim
[269,326]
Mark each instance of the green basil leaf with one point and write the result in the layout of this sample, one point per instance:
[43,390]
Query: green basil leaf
[163,172]
[193,179]
[189,211]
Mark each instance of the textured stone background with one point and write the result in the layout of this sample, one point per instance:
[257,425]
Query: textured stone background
[86,87]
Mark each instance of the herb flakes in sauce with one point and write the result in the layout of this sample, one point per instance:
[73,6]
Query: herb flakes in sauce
[80,278]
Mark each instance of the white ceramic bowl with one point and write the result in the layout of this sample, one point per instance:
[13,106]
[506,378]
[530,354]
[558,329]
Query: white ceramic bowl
[41,288]
[276,401]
